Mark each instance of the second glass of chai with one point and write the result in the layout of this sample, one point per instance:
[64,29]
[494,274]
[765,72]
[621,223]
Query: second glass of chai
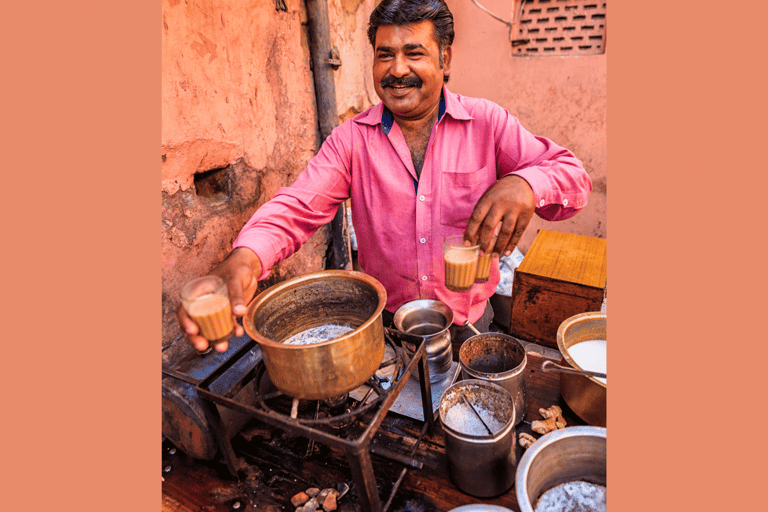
[460,263]
[483,267]
[206,300]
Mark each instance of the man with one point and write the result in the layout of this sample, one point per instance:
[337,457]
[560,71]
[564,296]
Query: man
[423,164]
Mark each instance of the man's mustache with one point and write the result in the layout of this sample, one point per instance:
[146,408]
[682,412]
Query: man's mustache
[412,81]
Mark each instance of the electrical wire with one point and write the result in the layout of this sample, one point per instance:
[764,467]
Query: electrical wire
[509,24]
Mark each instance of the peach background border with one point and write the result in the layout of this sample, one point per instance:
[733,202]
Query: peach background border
[81,162]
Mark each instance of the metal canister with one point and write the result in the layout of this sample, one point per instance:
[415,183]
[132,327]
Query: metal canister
[480,463]
[431,320]
[497,358]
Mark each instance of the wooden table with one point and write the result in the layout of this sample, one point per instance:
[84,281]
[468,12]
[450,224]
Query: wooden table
[274,465]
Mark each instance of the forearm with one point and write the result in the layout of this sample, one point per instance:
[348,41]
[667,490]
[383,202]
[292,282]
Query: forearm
[560,184]
[560,191]
[280,227]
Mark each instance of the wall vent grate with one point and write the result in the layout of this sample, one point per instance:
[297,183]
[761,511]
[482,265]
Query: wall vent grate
[560,28]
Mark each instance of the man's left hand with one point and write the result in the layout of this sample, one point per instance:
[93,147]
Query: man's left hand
[508,202]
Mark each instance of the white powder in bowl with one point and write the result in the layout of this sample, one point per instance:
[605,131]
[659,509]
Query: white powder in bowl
[462,419]
[576,496]
[590,355]
[318,334]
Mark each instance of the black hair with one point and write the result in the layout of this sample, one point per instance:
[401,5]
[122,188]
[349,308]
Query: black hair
[405,12]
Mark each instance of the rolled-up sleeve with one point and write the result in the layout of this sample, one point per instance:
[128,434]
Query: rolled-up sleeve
[559,181]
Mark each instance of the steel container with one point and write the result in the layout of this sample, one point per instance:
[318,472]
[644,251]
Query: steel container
[565,455]
[586,396]
[329,368]
[500,359]
[481,465]
[431,320]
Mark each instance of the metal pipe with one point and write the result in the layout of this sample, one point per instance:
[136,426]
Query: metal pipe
[323,62]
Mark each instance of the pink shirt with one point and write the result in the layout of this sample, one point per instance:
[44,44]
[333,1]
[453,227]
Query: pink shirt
[400,221]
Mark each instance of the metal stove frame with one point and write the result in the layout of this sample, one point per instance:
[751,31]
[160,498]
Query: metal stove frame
[357,450]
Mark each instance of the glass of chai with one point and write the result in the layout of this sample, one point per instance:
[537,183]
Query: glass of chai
[206,300]
[460,263]
[483,267]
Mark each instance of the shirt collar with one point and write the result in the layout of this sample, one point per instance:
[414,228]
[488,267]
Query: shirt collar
[380,114]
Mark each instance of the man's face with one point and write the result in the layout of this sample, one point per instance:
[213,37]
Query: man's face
[406,69]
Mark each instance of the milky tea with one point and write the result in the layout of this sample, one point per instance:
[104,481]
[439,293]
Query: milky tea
[460,264]
[205,299]
[483,268]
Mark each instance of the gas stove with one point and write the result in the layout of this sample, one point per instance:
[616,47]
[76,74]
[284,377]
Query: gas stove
[347,423]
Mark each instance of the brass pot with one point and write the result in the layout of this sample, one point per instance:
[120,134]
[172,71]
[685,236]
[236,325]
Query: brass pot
[329,368]
[586,396]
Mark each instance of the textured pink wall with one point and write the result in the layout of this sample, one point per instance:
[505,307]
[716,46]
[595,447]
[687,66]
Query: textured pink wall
[237,93]
[562,98]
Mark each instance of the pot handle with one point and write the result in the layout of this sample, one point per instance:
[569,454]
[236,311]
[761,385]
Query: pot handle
[550,367]
[468,324]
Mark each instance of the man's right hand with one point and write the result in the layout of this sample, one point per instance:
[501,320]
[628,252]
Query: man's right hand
[240,271]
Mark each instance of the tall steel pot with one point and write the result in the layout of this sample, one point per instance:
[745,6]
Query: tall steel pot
[329,368]
[563,455]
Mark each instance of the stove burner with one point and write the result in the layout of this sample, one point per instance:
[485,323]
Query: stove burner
[270,407]
[339,411]
[337,404]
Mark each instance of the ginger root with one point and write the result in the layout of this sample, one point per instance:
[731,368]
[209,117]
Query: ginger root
[552,412]
[525,439]
[553,420]
[542,427]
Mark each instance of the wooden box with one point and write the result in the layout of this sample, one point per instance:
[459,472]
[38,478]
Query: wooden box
[560,276]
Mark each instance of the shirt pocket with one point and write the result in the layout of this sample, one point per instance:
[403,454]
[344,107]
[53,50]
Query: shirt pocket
[460,192]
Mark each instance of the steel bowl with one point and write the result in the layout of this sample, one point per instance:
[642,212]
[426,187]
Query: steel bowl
[586,396]
[565,455]
[329,368]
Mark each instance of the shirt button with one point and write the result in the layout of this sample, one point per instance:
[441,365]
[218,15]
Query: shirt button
[421,198]
[541,203]
[423,240]
[565,202]
[423,278]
